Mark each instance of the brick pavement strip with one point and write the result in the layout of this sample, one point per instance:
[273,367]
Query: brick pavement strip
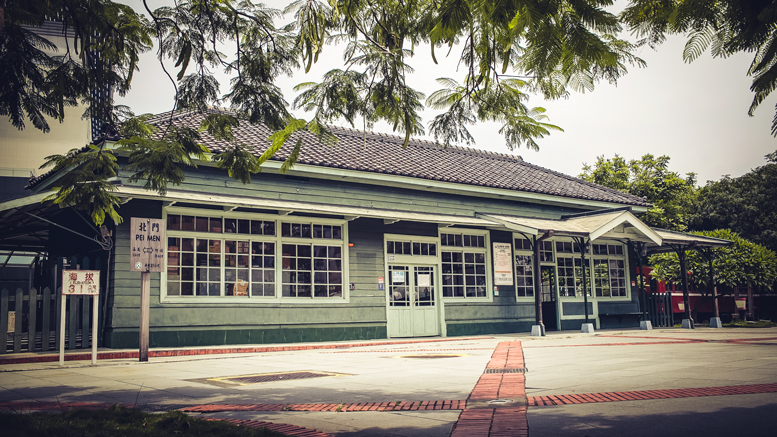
[538,401]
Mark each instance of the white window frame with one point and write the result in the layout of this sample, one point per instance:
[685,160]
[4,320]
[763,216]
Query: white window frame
[608,257]
[277,239]
[489,297]
[523,252]
[574,256]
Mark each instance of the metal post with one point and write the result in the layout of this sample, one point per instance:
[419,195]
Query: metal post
[145,296]
[95,313]
[715,308]
[62,330]
[641,277]
[684,272]
[537,284]
[581,243]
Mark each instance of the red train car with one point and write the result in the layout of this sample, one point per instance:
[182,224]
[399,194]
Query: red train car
[731,303]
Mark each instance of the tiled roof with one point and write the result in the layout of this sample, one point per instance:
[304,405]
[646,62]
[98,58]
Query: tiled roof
[383,153]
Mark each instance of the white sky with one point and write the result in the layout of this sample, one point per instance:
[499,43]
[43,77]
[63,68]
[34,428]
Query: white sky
[694,113]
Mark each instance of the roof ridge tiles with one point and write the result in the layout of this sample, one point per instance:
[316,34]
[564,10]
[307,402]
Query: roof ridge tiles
[423,159]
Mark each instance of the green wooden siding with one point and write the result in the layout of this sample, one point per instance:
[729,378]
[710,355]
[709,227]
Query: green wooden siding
[362,317]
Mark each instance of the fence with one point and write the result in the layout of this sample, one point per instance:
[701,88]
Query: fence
[659,306]
[29,321]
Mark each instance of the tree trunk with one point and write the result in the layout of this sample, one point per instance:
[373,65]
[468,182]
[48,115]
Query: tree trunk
[750,310]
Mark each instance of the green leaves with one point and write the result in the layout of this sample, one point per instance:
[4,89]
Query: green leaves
[672,196]
[85,185]
[159,161]
[490,101]
[507,49]
[746,205]
[727,27]
[741,263]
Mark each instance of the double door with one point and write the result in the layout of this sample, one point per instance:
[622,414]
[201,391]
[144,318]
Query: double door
[412,301]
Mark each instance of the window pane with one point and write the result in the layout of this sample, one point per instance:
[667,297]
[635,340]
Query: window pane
[215,225]
[201,224]
[187,223]
[230,226]
[173,223]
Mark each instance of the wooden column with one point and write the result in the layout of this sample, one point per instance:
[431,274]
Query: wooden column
[145,296]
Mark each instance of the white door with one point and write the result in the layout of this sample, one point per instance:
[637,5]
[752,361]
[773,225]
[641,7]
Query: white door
[412,297]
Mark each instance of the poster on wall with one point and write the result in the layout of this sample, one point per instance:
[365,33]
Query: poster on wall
[503,264]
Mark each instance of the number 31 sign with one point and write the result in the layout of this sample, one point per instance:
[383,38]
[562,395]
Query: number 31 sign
[80,282]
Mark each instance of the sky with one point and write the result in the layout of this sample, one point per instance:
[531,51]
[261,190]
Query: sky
[694,113]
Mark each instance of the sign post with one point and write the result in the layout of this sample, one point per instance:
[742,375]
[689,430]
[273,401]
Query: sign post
[147,238]
[80,283]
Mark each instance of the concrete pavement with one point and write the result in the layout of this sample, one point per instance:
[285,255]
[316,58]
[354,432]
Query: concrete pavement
[560,364]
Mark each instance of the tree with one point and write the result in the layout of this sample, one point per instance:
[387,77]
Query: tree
[746,205]
[724,26]
[740,263]
[670,195]
[506,50]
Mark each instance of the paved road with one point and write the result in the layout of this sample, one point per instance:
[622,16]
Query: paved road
[361,377]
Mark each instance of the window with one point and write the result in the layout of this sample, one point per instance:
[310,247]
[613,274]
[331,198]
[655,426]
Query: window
[564,247]
[247,256]
[523,244]
[579,277]
[307,230]
[609,273]
[546,251]
[462,240]
[570,276]
[524,275]
[610,277]
[411,248]
[463,270]
[464,274]
[566,276]
[524,267]
[262,269]
[312,271]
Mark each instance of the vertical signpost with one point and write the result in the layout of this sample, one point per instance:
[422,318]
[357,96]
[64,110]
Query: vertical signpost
[79,283]
[147,238]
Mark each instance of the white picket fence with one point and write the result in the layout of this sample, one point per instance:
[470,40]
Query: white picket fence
[29,321]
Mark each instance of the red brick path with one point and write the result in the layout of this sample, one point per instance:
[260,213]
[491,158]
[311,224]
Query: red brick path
[361,406]
[508,421]
[585,398]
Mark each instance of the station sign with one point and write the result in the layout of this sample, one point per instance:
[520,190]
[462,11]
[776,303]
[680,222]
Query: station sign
[147,243]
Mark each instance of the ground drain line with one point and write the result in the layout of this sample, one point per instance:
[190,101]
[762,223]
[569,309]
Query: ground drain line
[517,370]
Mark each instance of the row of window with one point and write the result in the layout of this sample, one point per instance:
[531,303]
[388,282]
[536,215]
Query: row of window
[608,278]
[220,225]
[245,264]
